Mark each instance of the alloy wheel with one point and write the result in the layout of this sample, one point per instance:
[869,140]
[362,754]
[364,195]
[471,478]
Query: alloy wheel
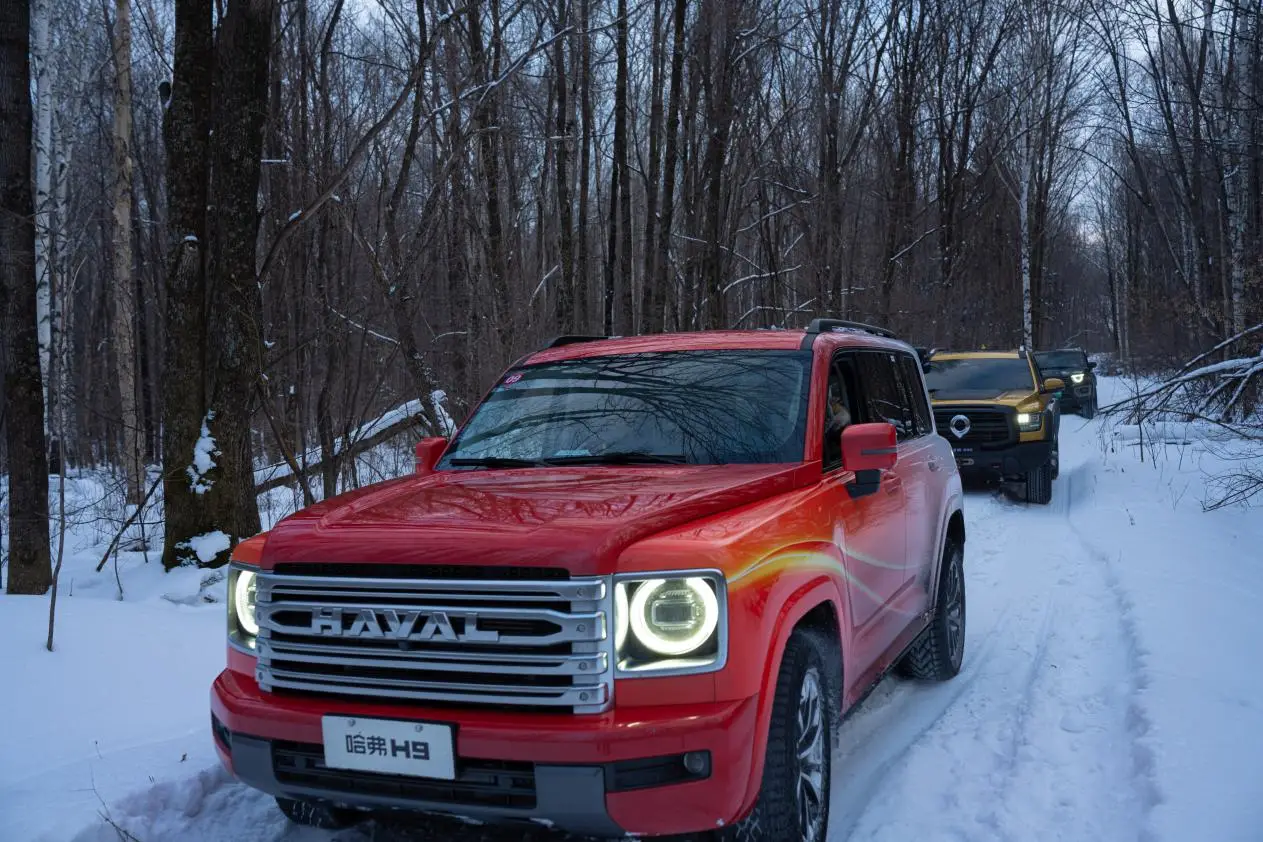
[954,608]
[812,745]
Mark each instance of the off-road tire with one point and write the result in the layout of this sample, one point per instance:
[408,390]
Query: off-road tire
[937,653]
[1088,410]
[1056,460]
[776,815]
[317,815]
[1039,485]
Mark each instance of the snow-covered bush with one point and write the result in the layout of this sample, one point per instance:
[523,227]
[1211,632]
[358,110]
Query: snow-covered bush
[1215,402]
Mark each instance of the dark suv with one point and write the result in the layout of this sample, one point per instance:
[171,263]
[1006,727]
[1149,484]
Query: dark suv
[1072,366]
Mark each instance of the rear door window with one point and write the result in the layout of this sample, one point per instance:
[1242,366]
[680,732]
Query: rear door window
[915,387]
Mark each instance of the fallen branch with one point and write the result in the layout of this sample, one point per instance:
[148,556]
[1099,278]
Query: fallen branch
[365,438]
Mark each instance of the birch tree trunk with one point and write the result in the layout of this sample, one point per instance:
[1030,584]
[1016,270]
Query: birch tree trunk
[42,66]
[651,294]
[123,323]
[670,165]
[583,43]
[626,319]
[564,305]
[61,411]
[30,568]
[1024,224]
[1236,251]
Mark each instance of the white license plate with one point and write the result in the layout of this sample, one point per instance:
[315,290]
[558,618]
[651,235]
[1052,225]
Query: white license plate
[420,749]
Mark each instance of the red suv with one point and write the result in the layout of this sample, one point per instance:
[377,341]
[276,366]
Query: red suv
[632,596]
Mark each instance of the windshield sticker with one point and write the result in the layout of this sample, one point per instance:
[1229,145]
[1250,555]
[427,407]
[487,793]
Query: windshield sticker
[512,378]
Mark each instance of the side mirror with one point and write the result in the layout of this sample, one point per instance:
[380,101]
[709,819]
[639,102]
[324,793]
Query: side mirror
[429,452]
[1054,384]
[866,450]
[869,447]
[1091,364]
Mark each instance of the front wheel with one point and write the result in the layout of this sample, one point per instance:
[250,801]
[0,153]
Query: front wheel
[1039,484]
[1089,409]
[937,653]
[793,801]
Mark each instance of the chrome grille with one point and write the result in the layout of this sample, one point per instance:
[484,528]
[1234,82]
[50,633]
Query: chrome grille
[469,641]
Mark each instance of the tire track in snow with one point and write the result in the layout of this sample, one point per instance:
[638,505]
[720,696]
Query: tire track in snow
[1003,774]
[886,727]
[1036,747]
[955,767]
[1138,723]
[1072,765]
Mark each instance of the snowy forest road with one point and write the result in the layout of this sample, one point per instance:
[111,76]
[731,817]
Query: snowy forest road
[1102,696]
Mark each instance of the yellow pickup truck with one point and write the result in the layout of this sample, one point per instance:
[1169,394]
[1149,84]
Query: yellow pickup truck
[1000,416]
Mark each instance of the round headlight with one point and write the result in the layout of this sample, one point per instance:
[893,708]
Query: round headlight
[674,616]
[1077,378]
[243,602]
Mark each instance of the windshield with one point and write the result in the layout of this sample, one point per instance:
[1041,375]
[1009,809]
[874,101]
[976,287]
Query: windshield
[694,407]
[1061,359]
[978,376]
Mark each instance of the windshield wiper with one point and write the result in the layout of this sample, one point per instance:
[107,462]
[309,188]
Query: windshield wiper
[493,462]
[619,457]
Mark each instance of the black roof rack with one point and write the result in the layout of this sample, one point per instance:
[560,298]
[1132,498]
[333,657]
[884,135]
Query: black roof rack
[574,339]
[819,326]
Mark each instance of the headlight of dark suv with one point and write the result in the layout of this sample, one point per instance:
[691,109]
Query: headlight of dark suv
[672,623]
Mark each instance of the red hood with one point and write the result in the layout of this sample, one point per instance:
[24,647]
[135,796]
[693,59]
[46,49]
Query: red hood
[576,518]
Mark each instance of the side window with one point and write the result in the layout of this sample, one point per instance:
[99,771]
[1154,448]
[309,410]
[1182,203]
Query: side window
[884,396]
[840,409]
[915,387]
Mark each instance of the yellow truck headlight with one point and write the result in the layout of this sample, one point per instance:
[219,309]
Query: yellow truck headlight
[1029,422]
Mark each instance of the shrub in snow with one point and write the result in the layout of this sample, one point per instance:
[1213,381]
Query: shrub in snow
[1208,403]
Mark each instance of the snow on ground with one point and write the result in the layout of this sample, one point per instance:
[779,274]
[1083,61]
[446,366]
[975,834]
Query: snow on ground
[1108,691]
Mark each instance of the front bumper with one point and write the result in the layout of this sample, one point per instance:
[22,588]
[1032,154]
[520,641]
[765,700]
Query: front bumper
[1076,396]
[1012,461]
[605,775]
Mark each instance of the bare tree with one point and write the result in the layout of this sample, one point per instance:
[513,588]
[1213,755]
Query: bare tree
[208,457]
[30,570]
[124,284]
